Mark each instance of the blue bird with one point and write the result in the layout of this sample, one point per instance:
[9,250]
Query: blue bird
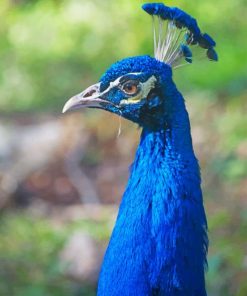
[159,242]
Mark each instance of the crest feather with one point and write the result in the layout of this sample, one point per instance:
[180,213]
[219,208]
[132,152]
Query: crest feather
[176,35]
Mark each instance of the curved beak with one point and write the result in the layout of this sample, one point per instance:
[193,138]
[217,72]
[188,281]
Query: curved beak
[90,97]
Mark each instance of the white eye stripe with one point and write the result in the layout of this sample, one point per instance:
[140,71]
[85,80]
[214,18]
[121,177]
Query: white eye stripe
[117,81]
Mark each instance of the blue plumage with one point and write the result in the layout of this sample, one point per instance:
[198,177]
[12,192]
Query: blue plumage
[159,243]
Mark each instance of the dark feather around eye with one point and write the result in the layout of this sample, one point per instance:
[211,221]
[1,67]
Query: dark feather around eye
[153,98]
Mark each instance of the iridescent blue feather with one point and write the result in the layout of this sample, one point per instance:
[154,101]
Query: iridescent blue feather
[159,243]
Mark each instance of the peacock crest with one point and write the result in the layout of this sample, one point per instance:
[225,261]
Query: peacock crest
[177,36]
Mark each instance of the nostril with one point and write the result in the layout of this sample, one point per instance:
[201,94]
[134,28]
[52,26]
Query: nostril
[89,93]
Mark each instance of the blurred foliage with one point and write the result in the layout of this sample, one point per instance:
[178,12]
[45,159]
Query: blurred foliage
[227,257]
[51,49]
[29,258]
[29,255]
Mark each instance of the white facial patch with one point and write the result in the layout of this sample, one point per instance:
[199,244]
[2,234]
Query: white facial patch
[145,89]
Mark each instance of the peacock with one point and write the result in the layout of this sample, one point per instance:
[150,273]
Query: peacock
[159,243]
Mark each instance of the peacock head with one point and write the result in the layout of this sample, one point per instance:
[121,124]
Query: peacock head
[137,88]
[131,88]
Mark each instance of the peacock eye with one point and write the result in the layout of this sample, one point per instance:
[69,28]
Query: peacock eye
[131,87]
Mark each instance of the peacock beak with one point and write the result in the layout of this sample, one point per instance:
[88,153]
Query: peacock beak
[90,97]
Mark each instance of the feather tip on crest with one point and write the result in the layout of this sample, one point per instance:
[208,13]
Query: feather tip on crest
[176,34]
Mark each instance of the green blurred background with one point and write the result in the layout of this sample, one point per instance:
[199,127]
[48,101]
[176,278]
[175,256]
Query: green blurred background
[61,177]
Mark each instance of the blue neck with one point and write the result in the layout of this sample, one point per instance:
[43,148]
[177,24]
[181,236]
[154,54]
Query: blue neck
[159,243]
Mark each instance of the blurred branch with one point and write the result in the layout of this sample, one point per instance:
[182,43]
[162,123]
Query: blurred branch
[78,177]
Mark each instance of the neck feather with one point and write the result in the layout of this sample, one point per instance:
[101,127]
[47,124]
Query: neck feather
[159,243]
